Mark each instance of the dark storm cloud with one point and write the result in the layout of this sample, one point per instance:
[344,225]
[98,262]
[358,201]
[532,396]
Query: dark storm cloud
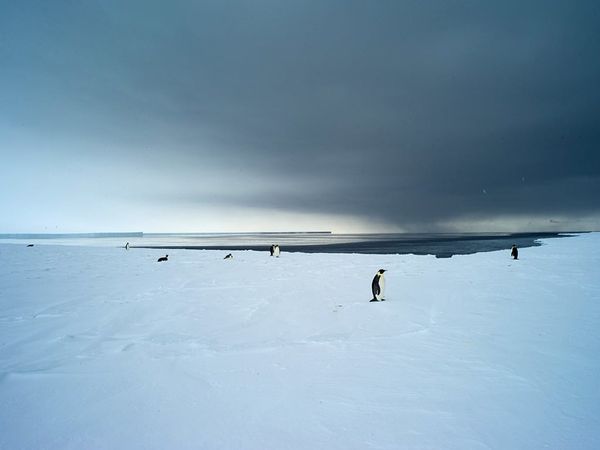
[410,112]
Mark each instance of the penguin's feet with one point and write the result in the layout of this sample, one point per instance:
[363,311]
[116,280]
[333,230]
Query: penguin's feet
[374,300]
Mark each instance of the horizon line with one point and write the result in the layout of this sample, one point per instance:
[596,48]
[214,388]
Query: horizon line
[141,234]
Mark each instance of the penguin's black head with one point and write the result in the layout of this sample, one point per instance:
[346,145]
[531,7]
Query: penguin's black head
[381,270]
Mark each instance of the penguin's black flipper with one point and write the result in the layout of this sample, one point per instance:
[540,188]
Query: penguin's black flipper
[374,300]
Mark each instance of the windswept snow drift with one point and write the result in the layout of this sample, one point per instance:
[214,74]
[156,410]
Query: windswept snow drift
[106,348]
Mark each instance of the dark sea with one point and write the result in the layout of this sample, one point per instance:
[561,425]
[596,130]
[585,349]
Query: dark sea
[440,245]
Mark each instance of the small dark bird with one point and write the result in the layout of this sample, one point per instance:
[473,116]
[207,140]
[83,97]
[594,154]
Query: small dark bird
[29,245]
[230,256]
[514,252]
[163,258]
[377,286]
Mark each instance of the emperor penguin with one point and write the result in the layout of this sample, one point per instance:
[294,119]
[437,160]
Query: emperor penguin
[276,251]
[514,252]
[229,256]
[127,246]
[377,286]
[163,258]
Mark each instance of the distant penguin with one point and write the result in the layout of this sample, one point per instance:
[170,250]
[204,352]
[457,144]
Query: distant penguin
[127,246]
[514,252]
[272,249]
[230,256]
[163,258]
[378,286]
[276,251]
[29,245]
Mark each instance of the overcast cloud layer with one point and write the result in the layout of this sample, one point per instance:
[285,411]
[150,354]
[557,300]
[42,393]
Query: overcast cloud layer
[250,115]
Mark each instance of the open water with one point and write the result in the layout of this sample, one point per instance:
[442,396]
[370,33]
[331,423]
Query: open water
[440,245]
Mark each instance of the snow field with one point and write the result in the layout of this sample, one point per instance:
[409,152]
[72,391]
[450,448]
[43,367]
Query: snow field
[106,348]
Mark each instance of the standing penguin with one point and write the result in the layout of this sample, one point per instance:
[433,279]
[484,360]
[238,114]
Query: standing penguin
[276,251]
[127,246]
[272,249]
[514,252]
[378,286]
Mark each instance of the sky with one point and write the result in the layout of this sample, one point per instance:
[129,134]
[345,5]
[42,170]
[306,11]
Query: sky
[348,116]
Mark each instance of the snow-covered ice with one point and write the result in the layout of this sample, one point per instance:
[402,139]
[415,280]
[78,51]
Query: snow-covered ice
[106,348]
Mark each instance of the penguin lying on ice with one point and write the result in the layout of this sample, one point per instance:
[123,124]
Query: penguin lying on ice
[163,258]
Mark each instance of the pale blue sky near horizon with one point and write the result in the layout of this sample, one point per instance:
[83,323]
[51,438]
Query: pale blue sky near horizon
[346,116]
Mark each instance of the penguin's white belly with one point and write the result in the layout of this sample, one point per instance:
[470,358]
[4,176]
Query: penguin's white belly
[381,288]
